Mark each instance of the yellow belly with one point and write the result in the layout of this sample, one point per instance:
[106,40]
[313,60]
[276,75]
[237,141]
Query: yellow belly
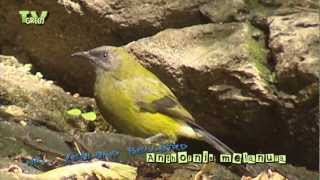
[141,124]
[127,118]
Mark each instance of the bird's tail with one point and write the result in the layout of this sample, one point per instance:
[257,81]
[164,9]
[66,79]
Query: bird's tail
[213,141]
[223,148]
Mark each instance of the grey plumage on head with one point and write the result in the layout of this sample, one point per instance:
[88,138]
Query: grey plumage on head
[101,57]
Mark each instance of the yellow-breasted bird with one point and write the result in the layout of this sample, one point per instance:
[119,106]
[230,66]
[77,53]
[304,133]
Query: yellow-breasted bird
[136,102]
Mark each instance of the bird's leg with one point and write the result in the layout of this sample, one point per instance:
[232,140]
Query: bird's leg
[158,139]
[202,174]
[155,138]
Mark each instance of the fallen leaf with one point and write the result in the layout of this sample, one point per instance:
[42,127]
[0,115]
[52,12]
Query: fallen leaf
[74,112]
[89,116]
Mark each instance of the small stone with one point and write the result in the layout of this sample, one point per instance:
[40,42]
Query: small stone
[289,105]
[28,67]
[39,75]
[23,123]
[13,110]
[38,140]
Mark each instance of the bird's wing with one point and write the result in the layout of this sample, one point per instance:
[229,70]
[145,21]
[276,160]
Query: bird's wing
[155,97]
[166,105]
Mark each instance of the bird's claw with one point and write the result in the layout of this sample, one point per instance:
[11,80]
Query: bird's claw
[157,139]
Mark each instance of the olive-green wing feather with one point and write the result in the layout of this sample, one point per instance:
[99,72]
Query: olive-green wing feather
[154,96]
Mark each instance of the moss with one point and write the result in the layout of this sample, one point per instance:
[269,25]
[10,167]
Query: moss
[256,8]
[258,56]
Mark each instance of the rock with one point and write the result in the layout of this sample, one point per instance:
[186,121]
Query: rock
[270,175]
[220,11]
[92,170]
[215,172]
[18,140]
[131,16]
[292,4]
[117,143]
[294,42]
[77,25]
[298,63]
[295,173]
[209,67]
[26,98]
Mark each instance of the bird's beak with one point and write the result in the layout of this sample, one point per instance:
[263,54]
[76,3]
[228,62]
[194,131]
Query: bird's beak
[81,54]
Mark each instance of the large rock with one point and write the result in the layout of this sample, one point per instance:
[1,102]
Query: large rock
[303,5]
[292,29]
[222,11]
[225,10]
[77,25]
[294,41]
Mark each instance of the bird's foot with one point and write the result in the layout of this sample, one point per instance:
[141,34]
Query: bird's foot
[203,173]
[158,139]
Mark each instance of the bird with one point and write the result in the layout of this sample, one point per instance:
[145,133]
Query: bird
[136,102]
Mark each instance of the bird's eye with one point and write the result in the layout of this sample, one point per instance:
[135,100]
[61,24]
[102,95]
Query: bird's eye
[105,54]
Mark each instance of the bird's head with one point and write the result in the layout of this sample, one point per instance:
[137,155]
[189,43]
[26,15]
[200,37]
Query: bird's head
[105,57]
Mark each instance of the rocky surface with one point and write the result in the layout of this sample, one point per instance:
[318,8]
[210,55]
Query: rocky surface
[248,70]
[294,41]
[88,170]
[222,11]
[28,98]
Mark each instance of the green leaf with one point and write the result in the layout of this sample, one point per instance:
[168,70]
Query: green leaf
[74,112]
[89,116]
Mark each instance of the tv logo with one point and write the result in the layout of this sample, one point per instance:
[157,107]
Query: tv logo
[31,17]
